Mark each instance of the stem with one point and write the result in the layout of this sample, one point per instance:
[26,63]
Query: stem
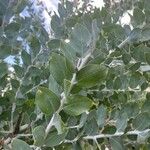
[121,45]
[36,86]
[12,117]
[80,64]
[73,80]
[23,135]
[51,123]
[135,132]
[98,146]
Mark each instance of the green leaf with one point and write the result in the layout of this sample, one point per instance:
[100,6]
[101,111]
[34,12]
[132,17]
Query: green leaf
[131,109]
[135,35]
[91,127]
[54,139]
[146,106]
[58,123]
[101,115]
[91,75]
[12,29]
[80,38]
[20,145]
[136,79]
[83,120]
[145,34]
[54,44]
[35,46]
[116,143]
[47,101]
[67,87]
[121,122]
[147,57]
[135,66]
[126,58]
[18,70]
[143,136]
[39,135]
[117,83]
[5,51]
[60,68]
[142,121]
[95,31]
[54,86]
[138,53]
[138,16]
[26,58]
[3,69]
[77,104]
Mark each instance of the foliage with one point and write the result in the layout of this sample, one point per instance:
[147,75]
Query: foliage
[85,87]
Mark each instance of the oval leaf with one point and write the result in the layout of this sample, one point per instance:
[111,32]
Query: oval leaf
[77,104]
[47,101]
[20,145]
[60,68]
[39,135]
[91,75]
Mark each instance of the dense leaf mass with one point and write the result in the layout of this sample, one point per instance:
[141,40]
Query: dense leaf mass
[85,85]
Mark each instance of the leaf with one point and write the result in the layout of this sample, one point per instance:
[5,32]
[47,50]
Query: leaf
[121,122]
[135,66]
[54,139]
[83,120]
[69,51]
[38,135]
[95,31]
[138,53]
[147,57]
[145,34]
[142,121]
[146,106]
[126,58]
[91,75]
[12,29]
[131,109]
[18,70]
[3,69]
[101,115]
[54,86]
[54,44]
[91,127]
[20,145]
[60,68]
[136,79]
[135,35]
[138,16]
[77,104]
[47,101]
[117,83]
[58,123]
[35,46]
[116,143]
[80,38]
[67,87]
[5,51]
[143,136]
[26,58]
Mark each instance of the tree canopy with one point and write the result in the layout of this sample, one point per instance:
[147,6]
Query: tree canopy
[85,85]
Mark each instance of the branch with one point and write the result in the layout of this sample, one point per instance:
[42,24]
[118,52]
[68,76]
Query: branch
[42,82]
[80,64]
[73,80]
[121,45]
[135,132]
